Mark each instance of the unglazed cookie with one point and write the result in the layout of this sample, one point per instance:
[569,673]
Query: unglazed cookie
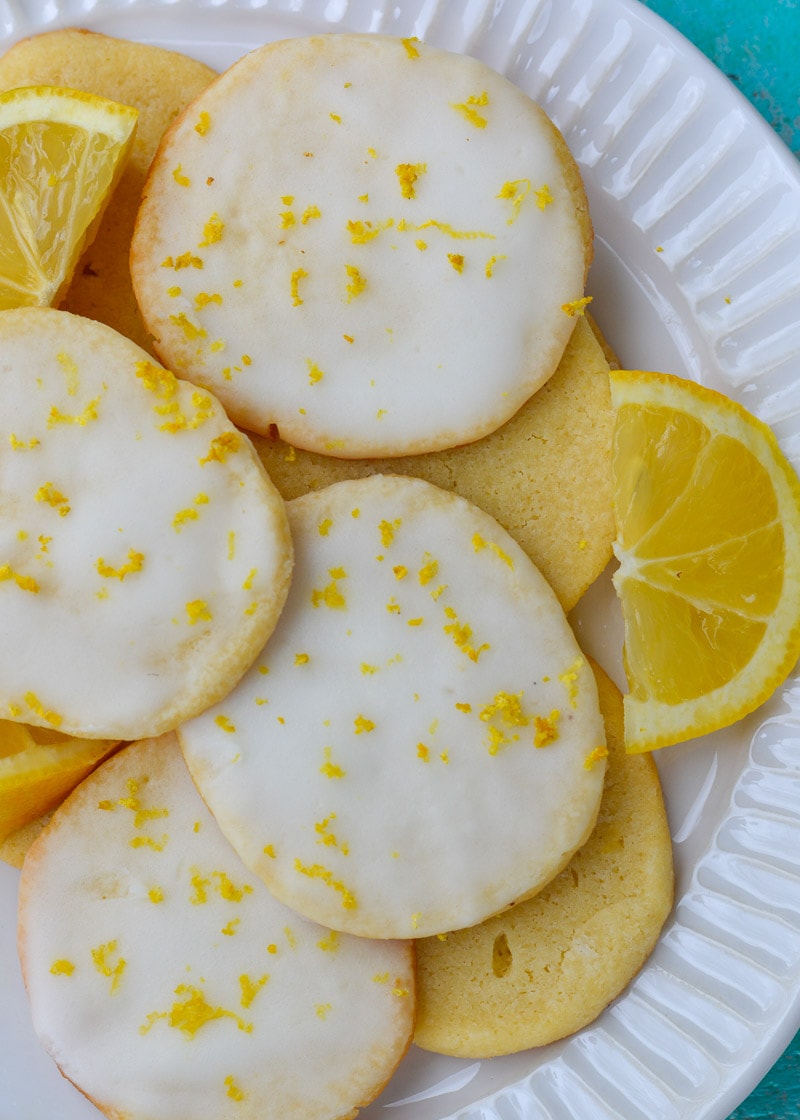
[14,848]
[545,475]
[419,744]
[373,244]
[146,555]
[167,982]
[549,966]
[159,83]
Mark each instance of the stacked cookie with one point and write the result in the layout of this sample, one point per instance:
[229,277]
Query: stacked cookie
[365,242]
[142,535]
[172,984]
[420,744]
[375,690]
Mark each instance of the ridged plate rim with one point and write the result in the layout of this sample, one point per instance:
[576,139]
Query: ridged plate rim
[697,211]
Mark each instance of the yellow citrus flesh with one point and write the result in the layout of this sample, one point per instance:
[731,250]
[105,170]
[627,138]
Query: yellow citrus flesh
[61,155]
[708,543]
[38,768]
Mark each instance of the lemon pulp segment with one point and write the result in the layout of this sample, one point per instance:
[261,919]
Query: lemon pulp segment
[61,155]
[708,529]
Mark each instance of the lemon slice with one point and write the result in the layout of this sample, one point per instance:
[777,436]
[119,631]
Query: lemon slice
[708,542]
[38,768]
[61,155]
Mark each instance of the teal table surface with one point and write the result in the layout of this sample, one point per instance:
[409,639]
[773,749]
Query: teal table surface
[756,43]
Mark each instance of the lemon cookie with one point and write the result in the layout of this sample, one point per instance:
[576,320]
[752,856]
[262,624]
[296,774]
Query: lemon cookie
[145,553]
[167,982]
[419,744]
[545,475]
[384,262]
[160,84]
[549,966]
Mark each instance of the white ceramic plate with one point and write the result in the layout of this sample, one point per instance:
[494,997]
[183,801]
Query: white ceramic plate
[697,212]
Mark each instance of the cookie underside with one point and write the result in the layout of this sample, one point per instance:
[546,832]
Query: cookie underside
[160,84]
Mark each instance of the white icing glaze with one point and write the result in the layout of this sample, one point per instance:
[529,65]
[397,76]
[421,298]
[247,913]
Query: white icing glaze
[144,553]
[168,983]
[376,766]
[392,239]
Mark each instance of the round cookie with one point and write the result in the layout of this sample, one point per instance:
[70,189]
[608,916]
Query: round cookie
[386,262]
[146,555]
[548,967]
[419,744]
[545,475]
[168,983]
[160,84]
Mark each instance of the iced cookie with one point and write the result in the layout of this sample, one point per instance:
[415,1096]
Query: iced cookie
[157,82]
[167,983]
[387,260]
[419,744]
[145,553]
[549,966]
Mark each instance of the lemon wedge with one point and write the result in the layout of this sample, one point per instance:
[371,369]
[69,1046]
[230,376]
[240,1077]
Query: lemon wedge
[61,155]
[707,510]
[38,768]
